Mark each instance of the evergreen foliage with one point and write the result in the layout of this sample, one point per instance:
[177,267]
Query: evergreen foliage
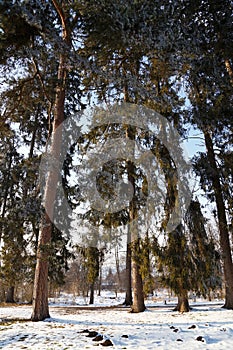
[57,57]
[189,261]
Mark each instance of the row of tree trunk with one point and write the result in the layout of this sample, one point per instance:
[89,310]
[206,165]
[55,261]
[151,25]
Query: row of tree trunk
[40,296]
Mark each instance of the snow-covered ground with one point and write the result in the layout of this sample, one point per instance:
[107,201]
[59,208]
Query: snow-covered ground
[207,326]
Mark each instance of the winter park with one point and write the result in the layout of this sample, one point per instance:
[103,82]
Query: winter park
[116,174]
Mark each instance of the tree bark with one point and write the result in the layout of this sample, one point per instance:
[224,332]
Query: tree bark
[100,281]
[128,271]
[40,291]
[138,294]
[91,302]
[128,278]
[133,265]
[222,222]
[10,295]
[183,303]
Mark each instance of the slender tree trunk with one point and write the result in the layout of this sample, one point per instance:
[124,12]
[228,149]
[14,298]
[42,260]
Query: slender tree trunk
[40,292]
[91,302]
[128,278]
[2,294]
[10,295]
[149,286]
[132,259]
[33,140]
[183,303]
[138,294]
[128,271]
[100,281]
[222,222]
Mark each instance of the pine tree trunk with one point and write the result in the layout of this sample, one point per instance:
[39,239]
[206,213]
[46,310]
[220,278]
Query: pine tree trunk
[128,278]
[10,295]
[91,302]
[100,281]
[128,272]
[222,222]
[2,294]
[40,291]
[183,303]
[138,294]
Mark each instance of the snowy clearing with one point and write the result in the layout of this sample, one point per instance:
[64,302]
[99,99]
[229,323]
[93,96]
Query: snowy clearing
[207,326]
